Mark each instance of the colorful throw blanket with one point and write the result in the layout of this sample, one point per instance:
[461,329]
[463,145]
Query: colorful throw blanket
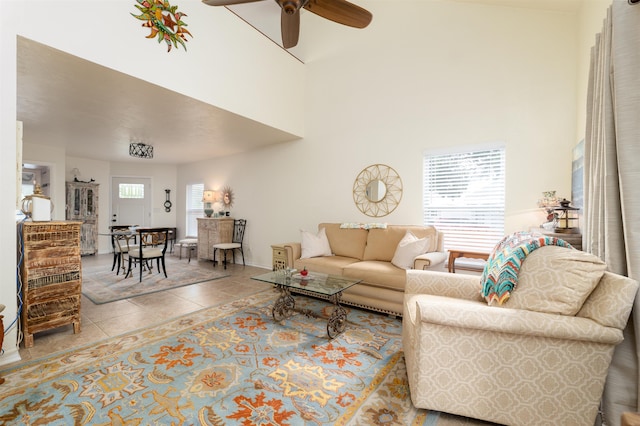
[500,275]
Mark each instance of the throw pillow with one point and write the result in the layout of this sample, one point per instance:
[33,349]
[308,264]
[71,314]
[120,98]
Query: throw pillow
[556,280]
[408,248]
[314,245]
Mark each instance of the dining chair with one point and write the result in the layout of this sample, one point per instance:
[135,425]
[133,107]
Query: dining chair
[152,245]
[119,249]
[239,226]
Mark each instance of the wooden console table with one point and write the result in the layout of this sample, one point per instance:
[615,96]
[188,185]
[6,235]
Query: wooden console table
[457,254]
[213,231]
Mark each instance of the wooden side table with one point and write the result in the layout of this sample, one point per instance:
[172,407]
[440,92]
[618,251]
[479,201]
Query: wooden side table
[574,239]
[279,257]
[630,419]
[457,254]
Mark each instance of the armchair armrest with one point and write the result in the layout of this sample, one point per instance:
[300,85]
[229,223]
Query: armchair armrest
[468,314]
[429,260]
[458,286]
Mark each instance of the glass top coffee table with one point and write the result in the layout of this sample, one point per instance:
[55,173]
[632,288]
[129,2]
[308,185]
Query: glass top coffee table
[323,285]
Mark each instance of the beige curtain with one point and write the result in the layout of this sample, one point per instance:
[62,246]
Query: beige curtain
[612,183]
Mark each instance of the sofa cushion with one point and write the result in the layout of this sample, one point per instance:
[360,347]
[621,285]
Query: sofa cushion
[345,242]
[314,245]
[382,243]
[408,248]
[378,273]
[556,280]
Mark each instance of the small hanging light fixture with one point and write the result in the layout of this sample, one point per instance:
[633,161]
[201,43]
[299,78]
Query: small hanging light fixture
[140,150]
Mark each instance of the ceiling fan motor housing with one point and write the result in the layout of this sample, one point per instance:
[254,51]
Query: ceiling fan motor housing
[291,6]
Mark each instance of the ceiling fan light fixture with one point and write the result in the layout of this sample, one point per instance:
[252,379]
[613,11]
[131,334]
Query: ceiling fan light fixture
[140,150]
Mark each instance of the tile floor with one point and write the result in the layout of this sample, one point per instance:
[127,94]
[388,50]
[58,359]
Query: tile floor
[110,319]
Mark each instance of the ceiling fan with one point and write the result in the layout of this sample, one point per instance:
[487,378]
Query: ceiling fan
[340,11]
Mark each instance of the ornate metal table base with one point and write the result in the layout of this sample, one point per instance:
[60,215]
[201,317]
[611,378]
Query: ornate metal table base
[284,307]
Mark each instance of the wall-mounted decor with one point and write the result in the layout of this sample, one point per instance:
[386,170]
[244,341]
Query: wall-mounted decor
[167,204]
[377,190]
[577,175]
[227,197]
[164,21]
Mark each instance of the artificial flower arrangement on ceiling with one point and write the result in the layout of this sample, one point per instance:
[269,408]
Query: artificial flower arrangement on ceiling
[164,21]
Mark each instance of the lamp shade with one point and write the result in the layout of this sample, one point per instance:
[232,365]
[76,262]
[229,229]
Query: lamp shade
[208,196]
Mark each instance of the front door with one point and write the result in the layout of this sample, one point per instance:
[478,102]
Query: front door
[130,201]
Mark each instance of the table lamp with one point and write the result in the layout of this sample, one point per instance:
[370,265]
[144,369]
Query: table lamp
[208,197]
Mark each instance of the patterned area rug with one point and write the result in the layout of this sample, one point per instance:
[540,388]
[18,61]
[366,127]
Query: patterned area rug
[225,365]
[101,285]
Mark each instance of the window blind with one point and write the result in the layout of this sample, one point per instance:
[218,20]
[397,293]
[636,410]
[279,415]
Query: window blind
[195,208]
[464,197]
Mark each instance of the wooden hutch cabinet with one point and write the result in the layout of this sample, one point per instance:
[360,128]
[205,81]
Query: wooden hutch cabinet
[82,204]
[51,275]
[213,231]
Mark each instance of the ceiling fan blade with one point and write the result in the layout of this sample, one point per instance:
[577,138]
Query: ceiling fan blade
[290,28]
[340,11]
[226,2]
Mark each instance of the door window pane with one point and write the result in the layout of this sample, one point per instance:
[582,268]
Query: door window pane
[131,190]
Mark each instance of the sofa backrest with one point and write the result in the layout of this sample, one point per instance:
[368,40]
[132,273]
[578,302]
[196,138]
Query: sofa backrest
[345,242]
[376,243]
[382,243]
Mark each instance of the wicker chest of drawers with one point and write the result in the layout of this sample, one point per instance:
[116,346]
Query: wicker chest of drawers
[51,276]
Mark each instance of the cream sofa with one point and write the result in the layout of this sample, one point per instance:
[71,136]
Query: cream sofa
[366,254]
[539,359]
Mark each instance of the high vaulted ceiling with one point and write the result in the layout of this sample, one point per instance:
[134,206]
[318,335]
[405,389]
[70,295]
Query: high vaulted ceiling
[94,112]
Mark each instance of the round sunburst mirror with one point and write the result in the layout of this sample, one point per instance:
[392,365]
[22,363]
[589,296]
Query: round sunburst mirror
[227,197]
[377,190]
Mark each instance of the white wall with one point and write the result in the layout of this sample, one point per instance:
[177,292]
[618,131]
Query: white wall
[445,75]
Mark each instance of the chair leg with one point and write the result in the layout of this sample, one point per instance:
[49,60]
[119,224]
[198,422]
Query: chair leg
[225,258]
[214,257]
[242,253]
[128,269]
[163,268]
[141,268]
[115,257]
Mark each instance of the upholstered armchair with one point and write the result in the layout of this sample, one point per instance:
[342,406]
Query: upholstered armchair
[540,358]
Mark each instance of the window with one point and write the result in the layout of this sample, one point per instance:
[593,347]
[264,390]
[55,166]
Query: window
[131,190]
[464,194]
[195,208]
